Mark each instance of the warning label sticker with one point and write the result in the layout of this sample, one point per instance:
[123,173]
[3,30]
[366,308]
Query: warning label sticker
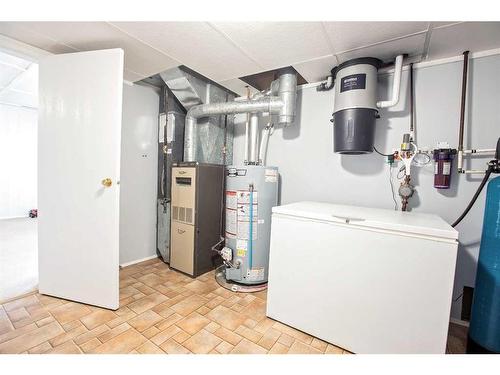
[241,248]
[244,197]
[244,212]
[231,201]
[231,223]
[255,274]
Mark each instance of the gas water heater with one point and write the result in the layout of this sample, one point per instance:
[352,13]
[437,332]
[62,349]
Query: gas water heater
[355,103]
[251,193]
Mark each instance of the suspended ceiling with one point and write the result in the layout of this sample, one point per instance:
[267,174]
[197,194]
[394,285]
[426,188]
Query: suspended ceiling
[225,51]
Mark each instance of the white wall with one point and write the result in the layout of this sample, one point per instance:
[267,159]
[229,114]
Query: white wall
[310,170]
[139,162]
[18,161]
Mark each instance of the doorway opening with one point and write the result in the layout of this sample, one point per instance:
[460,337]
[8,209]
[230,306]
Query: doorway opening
[18,176]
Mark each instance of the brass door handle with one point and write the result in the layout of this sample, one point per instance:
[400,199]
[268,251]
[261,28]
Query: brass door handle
[107,182]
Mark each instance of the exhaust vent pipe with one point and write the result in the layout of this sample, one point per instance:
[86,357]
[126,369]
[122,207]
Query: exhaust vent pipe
[279,100]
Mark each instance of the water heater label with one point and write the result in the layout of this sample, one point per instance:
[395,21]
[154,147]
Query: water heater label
[255,274]
[353,82]
[244,197]
[231,223]
[241,248]
[231,201]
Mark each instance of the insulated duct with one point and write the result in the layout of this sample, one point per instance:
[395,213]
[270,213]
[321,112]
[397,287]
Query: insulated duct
[280,100]
[215,133]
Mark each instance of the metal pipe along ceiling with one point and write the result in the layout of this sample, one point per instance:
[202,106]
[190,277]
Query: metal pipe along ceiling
[283,105]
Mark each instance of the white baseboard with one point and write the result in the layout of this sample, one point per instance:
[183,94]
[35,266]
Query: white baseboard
[459,322]
[138,261]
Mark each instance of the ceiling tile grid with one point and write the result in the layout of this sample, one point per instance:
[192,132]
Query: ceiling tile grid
[225,51]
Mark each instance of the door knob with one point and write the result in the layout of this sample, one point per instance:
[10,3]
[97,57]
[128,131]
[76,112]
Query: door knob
[107,182]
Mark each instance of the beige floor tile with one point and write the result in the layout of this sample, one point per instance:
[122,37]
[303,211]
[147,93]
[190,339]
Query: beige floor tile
[256,309]
[97,318]
[202,342]
[181,337]
[149,348]
[113,332]
[301,348]
[228,336]
[164,335]
[286,340]
[150,332]
[67,336]
[203,310]
[298,335]
[199,287]
[70,311]
[5,323]
[264,325]
[192,323]
[83,338]
[212,327]
[90,345]
[172,347]
[224,347]
[226,317]
[145,320]
[172,319]
[250,323]
[31,339]
[332,349]
[269,339]
[17,332]
[21,302]
[248,334]
[122,344]
[189,304]
[44,321]
[279,349]
[40,349]
[18,315]
[147,302]
[71,325]
[68,347]
[214,302]
[319,344]
[247,347]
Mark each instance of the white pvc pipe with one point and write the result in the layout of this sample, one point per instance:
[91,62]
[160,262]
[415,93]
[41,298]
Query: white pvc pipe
[396,85]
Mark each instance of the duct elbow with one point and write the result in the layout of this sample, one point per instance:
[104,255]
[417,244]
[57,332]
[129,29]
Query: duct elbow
[396,85]
[287,92]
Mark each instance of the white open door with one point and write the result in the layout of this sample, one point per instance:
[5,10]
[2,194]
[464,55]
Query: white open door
[79,130]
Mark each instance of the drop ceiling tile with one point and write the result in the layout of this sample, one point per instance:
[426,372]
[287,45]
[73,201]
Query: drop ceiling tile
[277,44]
[19,98]
[472,36]
[411,45]
[346,36]
[196,45]
[318,69]
[21,32]
[238,86]
[87,36]
[133,76]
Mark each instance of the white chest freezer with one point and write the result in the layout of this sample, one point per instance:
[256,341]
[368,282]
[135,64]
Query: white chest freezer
[368,280]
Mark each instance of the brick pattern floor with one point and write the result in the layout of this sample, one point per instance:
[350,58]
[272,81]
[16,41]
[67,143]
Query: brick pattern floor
[161,311]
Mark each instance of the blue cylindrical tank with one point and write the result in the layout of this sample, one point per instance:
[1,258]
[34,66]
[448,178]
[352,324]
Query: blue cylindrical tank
[484,330]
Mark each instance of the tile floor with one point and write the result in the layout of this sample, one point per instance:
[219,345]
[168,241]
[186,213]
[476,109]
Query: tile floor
[161,311]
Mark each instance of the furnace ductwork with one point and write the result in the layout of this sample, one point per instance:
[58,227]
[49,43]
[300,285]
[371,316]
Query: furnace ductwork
[280,100]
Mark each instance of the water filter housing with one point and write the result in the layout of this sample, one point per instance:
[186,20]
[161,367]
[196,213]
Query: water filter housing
[251,193]
[484,330]
[355,105]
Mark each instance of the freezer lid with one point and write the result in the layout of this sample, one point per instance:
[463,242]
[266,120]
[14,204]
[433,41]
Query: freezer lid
[376,218]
